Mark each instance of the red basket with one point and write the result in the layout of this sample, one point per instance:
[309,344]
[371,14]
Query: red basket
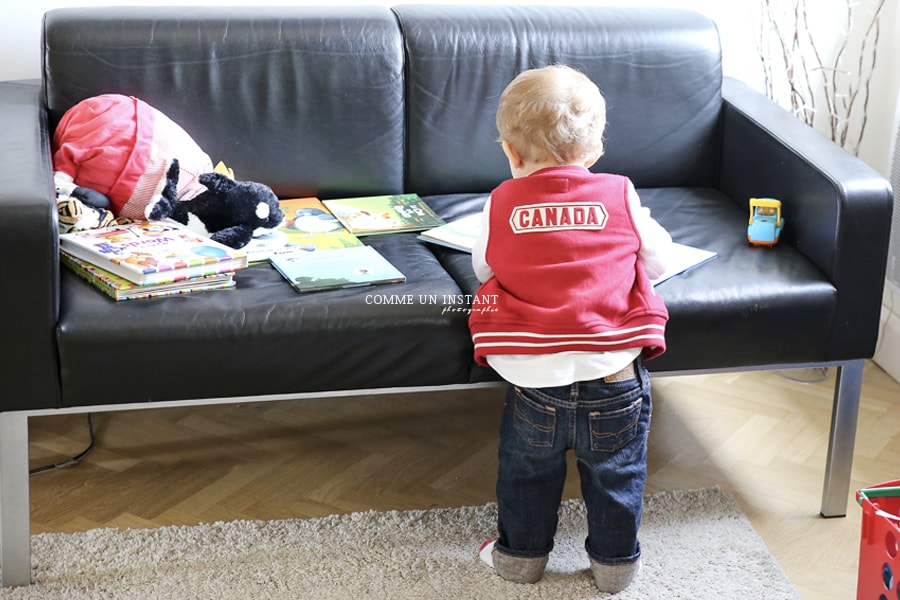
[879,546]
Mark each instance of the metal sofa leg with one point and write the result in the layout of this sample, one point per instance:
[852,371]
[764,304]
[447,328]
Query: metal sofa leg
[15,511]
[842,438]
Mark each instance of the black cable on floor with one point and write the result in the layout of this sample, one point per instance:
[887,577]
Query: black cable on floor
[75,459]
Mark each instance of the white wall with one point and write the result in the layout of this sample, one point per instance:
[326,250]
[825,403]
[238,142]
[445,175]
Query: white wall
[887,355]
[876,146]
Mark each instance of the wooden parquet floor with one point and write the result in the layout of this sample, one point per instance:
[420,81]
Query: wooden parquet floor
[758,435]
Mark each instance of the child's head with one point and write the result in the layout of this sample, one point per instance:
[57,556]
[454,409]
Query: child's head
[553,114]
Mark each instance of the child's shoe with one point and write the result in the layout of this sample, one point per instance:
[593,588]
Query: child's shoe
[512,568]
[486,550]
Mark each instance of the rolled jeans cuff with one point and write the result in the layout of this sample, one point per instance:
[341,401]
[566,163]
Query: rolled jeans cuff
[614,578]
[519,569]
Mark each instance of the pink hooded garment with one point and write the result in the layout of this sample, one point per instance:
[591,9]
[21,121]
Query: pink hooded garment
[123,147]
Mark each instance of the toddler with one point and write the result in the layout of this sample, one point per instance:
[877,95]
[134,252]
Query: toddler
[569,255]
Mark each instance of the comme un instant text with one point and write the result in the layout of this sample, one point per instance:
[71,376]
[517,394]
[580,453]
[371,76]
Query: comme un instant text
[445,299]
[450,303]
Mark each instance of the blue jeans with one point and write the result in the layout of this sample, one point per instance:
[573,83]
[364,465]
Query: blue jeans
[606,424]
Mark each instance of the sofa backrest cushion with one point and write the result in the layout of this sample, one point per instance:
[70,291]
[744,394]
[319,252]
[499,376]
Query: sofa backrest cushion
[308,100]
[659,69]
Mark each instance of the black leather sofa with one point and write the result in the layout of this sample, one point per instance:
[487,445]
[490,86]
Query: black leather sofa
[340,101]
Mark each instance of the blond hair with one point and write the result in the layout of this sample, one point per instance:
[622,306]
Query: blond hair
[553,113]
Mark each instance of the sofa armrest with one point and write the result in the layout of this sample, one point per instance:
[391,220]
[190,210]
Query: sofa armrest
[837,209]
[29,269]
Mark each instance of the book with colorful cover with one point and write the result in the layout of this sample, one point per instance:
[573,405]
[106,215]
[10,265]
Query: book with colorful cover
[376,215]
[459,234]
[308,225]
[336,268]
[119,288]
[152,252]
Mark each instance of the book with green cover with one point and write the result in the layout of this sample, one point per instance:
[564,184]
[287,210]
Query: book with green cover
[376,215]
[335,269]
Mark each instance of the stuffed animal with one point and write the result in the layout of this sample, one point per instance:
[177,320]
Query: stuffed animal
[75,215]
[80,208]
[229,212]
[119,149]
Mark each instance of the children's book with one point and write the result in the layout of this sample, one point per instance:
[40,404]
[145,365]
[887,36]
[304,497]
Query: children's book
[119,288]
[459,234]
[308,225]
[263,245]
[337,268]
[683,258]
[152,252]
[375,215]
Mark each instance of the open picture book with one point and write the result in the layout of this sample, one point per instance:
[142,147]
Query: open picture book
[460,234]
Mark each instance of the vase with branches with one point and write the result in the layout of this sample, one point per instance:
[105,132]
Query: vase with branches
[822,76]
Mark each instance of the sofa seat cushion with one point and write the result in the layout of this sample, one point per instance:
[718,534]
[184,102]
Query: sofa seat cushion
[262,337]
[775,306]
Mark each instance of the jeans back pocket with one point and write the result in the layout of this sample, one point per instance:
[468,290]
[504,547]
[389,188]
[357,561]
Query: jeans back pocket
[535,422]
[611,430]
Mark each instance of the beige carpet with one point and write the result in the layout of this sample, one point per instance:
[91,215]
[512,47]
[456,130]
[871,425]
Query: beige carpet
[696,545]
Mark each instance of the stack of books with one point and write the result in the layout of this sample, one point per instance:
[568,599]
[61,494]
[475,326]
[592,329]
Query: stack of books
[149,259]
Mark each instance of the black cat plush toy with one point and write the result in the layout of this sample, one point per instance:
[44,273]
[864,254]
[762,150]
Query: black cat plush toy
[228,211]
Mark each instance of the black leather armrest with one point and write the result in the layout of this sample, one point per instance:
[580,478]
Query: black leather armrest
[837,209]
[29,267]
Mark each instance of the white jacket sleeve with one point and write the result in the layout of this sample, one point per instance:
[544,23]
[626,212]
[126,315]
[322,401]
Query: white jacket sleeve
[482,269]
[655,240]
